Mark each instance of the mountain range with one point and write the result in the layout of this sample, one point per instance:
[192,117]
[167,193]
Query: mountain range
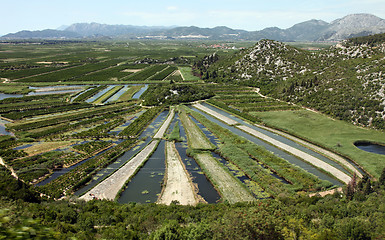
[353,25]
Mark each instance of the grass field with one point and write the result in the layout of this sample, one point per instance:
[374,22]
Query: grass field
[333,134]
[126,96]
[187,74]
[45,147]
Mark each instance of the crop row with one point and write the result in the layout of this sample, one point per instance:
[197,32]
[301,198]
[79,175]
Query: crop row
[283,107]
[100,131]
[163,74]
[108,94]
[72,73]
[16,74]
[146,73]
[91,147]
[21,106]
[29,99]
[44,109]
[234,111]
[34,167]
[66,127]
[67,118]
[83,173]
[87,94]
[139,124]
[111,73]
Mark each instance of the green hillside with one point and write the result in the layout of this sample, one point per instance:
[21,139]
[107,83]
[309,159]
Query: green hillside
[344,81]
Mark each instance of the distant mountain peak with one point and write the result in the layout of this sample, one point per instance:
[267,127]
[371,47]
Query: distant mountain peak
[353,25]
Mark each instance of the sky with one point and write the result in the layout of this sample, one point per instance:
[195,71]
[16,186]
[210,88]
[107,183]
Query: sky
[249,15]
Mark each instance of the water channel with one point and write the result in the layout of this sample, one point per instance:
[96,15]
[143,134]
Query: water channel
[96,96]
[287,141]
[117,95]
[146,138]
[2,128]
[146,185]
[140,92]
[206,189]
[278,152]
[4,96]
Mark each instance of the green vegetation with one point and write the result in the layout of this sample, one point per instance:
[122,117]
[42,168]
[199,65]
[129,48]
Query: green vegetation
[89,93]
[344,83]
[187,74]
[139,124]
[175,133]
[127,95]
[107,95]
[171,94]
[251,158]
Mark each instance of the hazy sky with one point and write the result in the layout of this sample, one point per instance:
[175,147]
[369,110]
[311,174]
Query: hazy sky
[253,15]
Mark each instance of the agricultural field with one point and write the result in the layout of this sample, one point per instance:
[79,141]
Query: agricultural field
[120,114]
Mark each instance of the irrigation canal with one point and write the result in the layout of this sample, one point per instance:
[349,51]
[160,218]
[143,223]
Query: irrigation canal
[278,152]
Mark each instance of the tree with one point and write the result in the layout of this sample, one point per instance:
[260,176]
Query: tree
[382,178]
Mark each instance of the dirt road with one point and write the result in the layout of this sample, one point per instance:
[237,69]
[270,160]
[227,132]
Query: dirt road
[165,125]
[224,119]
[178,185]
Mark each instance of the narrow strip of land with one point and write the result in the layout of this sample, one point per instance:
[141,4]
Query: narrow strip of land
[110,187]
[224,119]
[178,185]
[13,173]
[165,125]
[230,189]
[316,148]
[195,137]
[305,156]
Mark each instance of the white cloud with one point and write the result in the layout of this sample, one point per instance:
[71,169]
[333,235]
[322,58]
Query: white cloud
[172,8]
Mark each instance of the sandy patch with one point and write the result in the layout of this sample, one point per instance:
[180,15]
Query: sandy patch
[132,70]
[178,185]
[323,194]
[45,147]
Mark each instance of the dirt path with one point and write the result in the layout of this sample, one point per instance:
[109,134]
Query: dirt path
[305,156]
[13,173]
[165,125]
[224,119]
[323,194]
[325,152]
[109,188]
[230,189]
[178,185]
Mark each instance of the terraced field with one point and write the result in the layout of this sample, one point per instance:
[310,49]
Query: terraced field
[65,142]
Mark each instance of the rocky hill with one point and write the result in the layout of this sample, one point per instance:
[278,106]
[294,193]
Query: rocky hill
[346,81]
